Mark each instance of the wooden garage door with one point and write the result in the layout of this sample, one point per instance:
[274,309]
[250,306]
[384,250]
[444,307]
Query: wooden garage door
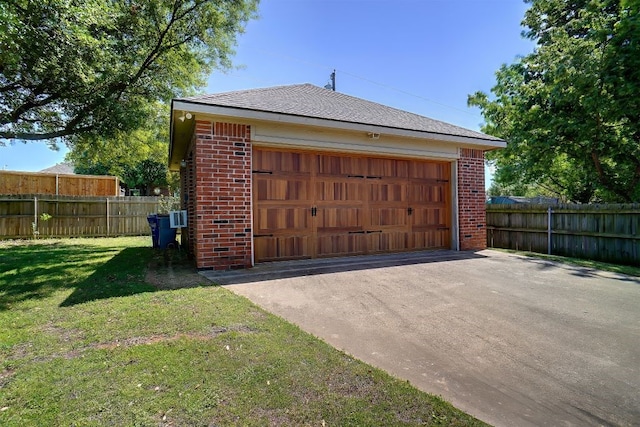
[309,205]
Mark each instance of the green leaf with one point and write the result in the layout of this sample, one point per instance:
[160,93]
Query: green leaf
[570,110]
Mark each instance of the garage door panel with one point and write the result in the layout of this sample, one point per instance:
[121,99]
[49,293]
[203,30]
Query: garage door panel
[387,241]
[280,248]
[283,189]
[388,168]
[387,192]
[430,171]
[389,217]
[322,205]
[432,216]
[281,162]
[341,166]
[431,239]
[339,219]
[341,244]
[429,193]
[339,190]
[282,219]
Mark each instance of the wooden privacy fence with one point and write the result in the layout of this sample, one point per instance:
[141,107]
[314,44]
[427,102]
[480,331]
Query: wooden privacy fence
[13,182]
[75,216]
[599,232]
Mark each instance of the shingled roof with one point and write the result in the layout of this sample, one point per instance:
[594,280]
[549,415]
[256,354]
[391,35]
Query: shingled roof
[307,100]
[64,168]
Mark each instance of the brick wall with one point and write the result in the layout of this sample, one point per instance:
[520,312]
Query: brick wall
[222,164]
[471,200]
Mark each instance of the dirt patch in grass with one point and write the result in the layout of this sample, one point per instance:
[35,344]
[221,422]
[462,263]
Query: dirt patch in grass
[5,377]
[134,341]
[23,351]
[171,269]
[63,334]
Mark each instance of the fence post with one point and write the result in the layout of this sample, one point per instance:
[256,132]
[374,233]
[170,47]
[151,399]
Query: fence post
[35,212]
[549,212]
[107,199]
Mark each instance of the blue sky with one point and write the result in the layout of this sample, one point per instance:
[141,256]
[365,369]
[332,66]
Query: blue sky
[423,56]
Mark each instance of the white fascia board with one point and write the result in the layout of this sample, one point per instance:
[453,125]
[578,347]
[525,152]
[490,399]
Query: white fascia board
[239,113]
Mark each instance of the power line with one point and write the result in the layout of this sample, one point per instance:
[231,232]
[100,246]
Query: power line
[386,86]
[407,93]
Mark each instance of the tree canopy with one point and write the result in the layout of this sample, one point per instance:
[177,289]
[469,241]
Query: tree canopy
[138,157]
[70,67]
[570,111]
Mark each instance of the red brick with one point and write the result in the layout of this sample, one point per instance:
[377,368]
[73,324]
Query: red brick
[471,204]
[218,217]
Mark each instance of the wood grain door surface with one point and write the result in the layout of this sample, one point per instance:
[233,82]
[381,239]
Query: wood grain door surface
[309,205]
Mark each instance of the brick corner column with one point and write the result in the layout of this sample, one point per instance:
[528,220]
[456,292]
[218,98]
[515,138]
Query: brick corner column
[471,200]
[223,195]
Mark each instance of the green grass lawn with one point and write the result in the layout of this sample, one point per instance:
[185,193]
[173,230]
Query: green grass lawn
[111,332]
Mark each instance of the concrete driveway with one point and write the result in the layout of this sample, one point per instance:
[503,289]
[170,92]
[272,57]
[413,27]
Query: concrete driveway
[514,341]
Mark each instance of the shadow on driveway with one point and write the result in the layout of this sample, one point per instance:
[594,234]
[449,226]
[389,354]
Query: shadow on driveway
[579,271]
[313,267]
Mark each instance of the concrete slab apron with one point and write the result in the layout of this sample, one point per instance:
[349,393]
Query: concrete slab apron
[513,341]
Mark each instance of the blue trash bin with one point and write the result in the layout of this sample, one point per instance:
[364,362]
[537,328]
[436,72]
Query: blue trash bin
[166,234]
[153,223]
[162,235]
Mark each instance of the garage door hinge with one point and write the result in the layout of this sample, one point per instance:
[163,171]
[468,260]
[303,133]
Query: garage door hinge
[314,211]
[264,172]
[409,211]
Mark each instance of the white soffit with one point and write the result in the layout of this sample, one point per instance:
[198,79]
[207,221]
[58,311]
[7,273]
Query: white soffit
[239,113]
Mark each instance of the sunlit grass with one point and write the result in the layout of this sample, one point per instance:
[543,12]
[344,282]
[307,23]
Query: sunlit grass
[86,340]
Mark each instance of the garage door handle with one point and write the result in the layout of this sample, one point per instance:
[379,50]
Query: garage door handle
[357,232]
[263,235]
[355,176]
[263,172]
[374,231]
[374,177]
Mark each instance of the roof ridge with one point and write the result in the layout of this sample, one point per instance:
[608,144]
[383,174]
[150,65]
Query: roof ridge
[241,91]
[396,109]
[309,100]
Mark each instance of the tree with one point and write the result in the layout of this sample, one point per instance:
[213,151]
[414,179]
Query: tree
[146,175]
[70,67]
[138,157]
[570,111]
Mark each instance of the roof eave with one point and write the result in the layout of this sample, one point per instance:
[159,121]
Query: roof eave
[180,134]
[246,113]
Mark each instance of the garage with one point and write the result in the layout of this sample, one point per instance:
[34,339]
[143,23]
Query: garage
[304,172]
[311,205]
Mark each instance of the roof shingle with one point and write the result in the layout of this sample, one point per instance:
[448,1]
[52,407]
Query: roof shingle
[307,100]
[64,168]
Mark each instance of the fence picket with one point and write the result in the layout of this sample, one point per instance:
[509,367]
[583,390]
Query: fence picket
[73,216]
[600,232]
